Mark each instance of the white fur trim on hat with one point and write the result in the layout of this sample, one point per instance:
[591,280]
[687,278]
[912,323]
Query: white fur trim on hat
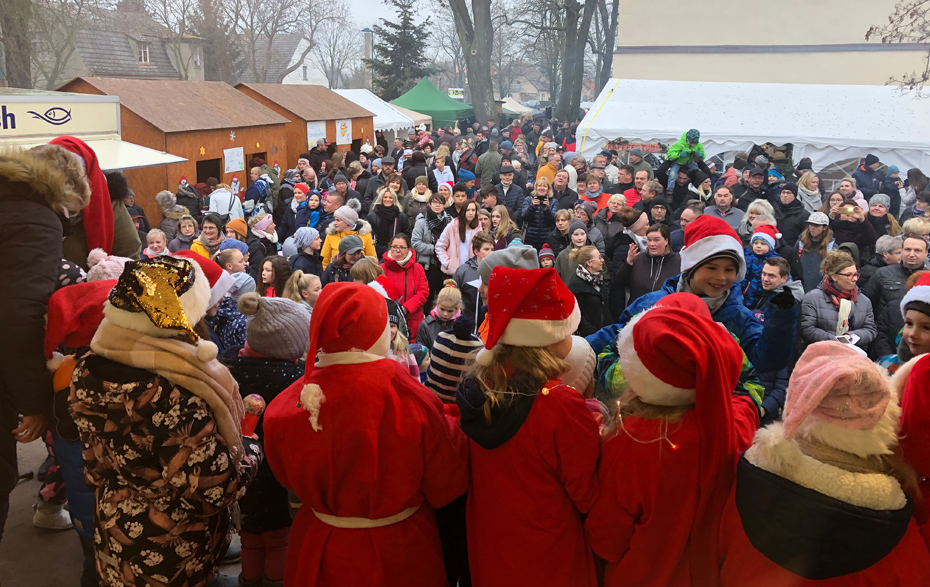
[311,398]
[523,332]
[221,288]
[641,381]
[918,293]
[712,246]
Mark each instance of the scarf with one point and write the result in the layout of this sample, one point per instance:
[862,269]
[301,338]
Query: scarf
[639,240]
[177,361]
[212,248]
[403,262]
[811,199]
[388,221]
[437,222]
[713,304]
[593,196]
[836,295]
[295,204]
[595,279]
[268,236]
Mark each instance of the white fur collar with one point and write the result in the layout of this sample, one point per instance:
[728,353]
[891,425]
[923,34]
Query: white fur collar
[773,452]
[347,358]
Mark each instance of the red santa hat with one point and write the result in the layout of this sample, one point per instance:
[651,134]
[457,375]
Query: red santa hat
[912,381]
[768,233]
[220,281]
[528,307]
[347,318]
[919,293]
[675,355]
[98,215]
[74,313]
[711,238]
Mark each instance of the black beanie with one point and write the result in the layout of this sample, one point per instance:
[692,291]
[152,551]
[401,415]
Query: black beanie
[870,159]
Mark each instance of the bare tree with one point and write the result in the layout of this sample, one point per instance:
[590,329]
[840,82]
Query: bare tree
[177,16]
[448,53]
[476,35]
[15,24]
[909,23]
[603,40]
[507,51]
[338,47]
[55,27]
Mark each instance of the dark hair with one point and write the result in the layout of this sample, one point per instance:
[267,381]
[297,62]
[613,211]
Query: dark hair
[628,168]
[417,158]
[481,238]
[403,236]
[282,272]
[723,187]
[216,220]
[924,196]
[783,268]
[661,229]
[696,206]
[463,223]
[492,145]
[436,198]
[488,191]
[460,187]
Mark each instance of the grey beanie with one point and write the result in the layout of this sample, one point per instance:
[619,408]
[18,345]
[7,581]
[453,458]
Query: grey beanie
[636,152]
[524,257]
[278,328]
[880,199]
[347,215]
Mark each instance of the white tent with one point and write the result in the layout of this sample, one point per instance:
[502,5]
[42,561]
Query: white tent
[827,123]
[34,117]
[416,117]
[386,117]
[518,108]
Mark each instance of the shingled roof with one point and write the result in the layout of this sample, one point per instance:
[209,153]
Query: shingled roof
[283,48]
[308,101]
[177,106]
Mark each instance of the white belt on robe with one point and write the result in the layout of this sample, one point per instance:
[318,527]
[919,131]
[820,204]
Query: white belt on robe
[346,522]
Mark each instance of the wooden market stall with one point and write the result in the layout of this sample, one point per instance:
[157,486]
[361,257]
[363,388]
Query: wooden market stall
[217,129]
[314,112]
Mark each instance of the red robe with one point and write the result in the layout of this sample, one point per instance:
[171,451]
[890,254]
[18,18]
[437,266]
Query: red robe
[642,520]
[527,497]
[385,446]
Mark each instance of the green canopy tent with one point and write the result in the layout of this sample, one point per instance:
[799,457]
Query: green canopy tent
[427,99]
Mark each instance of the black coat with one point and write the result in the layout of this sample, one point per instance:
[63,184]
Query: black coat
[259,248]
[558,242]
[311,264]
[592,304]
[566,199]
[401,226]
[791,219]
[188,197]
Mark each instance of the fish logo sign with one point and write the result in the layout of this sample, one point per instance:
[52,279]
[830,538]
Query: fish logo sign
[56,115]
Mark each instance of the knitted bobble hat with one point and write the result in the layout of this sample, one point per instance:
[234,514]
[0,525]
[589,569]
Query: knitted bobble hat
[581,362]
[278,328]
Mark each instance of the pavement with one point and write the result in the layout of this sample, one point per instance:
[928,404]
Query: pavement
[30,557]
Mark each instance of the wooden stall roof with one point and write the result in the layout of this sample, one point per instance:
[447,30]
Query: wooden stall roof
[309,102]
[177,106]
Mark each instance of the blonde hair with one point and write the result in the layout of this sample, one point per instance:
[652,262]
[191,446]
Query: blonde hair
[516,370]
[505,226]
[365,270]
[442,151]
[256,170]
[379,199]
[835,261]
[851,180]
[449,294]
[583,253]
[760,207]
[155,232]
[299,282]
[617,198]
[400,346]
[806,179]
[255,219]
[916,227]
[542,179]
[564,214]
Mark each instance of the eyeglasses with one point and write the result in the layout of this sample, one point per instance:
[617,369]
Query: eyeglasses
[849,275]
[397,248]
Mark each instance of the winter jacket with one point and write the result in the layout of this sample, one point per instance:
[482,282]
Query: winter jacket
[646,275]
[335,274]
[31,191]
[182,243]
[371,191]
[558,241]
[752,283]
[412,172]
[592,304]
[415,204]
[464,277]
[169,223]
[160,431]
[607,224]
[405,454]
[810,265]
[399,226]
[767,345]
[361,184]
[733,216]
[423,242]
[538,222]
[449,247]
[228,326]
[127,242]
[410,281]
[264,507]
[911,212]
[850,231]
[596,238]
[682,153]
[362,229]
[643,165]
[191,199]
[309,264]
[224,203]
[791,219]
[258,195]
[541,451]
[819,316]
[259,248]
[564,200]
[430,328]
[488,164]
[292,220]
[513,199]
[867,181]
[886,289]
[868,269]
[875,538]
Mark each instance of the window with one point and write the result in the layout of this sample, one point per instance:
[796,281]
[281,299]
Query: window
[304,70]
[143,53]
[198,57]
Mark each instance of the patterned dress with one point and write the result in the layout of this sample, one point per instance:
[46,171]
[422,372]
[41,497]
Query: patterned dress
[161,472]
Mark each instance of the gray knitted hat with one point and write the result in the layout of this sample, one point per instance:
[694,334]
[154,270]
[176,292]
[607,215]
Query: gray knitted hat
[520,257]
[278,328]
[880,199]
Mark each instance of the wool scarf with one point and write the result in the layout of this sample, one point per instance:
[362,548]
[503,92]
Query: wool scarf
[836,295]
[211,247]
[595,279]
[178,362]
[387,216]
[437,222]
[810,198]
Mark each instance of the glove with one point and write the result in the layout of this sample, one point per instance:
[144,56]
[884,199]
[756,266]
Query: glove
[784,300]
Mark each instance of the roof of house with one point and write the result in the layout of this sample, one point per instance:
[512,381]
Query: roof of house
[283,48]
[309,102]
[176,106]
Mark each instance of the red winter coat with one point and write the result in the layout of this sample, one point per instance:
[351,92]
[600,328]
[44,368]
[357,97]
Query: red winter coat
[384,446]
[528,493]
[807,532]
[410,280]
[647,501]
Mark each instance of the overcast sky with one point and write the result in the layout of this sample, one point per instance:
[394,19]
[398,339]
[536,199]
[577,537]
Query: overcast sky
[367,12]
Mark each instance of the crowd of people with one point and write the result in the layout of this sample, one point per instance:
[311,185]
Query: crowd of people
[485,360]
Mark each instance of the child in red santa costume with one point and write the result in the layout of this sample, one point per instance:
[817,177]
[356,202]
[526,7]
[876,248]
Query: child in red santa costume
[666,472]
[820,499]
[534,442]
[367,450]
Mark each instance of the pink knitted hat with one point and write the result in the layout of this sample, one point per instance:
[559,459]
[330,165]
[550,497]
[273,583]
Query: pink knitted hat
[837,385]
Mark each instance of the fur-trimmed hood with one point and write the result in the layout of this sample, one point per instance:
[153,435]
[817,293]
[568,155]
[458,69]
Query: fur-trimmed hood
[175,212]
[30,177]
[424,198]
[362,227]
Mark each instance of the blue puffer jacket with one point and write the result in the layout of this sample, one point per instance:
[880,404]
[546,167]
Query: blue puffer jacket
[752,284]
[776,390]
[768,346]
[539,222]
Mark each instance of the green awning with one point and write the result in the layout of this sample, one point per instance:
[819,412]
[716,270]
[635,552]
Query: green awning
[427,99]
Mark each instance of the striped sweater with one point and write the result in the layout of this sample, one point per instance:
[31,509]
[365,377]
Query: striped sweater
[450,358]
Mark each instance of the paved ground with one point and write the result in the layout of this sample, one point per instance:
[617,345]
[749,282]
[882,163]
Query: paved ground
[30,557]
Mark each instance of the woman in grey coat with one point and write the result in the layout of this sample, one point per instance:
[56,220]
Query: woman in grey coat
[427,229]
[837,310]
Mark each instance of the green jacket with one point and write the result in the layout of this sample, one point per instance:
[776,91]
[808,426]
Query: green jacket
[682,153]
